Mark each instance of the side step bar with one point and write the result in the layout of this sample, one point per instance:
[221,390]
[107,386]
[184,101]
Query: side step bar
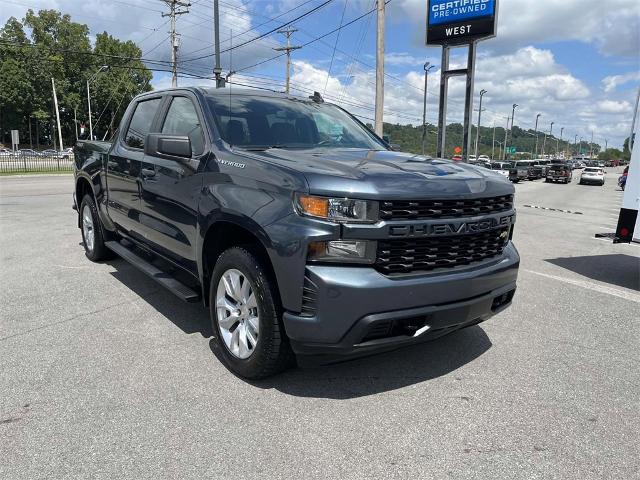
[180,290]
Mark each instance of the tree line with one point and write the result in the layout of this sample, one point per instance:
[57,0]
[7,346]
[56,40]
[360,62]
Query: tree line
[409,139]
[56,47]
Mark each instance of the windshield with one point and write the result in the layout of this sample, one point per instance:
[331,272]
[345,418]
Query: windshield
[592,170]
[500,166]
[249,121]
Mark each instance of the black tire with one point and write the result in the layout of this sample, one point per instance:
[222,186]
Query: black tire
[272,353]
[99,251]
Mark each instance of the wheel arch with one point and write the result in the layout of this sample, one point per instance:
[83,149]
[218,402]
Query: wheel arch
[226,233]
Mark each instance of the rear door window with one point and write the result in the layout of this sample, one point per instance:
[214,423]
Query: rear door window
[141,121]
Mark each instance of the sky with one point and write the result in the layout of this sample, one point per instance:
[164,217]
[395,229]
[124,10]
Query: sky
[575,62]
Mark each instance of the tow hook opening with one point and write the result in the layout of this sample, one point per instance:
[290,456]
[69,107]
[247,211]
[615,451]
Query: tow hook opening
[502,300]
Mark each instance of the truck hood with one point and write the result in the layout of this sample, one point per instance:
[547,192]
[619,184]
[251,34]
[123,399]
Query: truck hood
[386,174]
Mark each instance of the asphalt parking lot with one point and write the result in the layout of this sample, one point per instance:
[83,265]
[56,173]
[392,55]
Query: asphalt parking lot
[105,375]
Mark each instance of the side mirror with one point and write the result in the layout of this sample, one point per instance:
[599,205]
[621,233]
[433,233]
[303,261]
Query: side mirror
[171,147]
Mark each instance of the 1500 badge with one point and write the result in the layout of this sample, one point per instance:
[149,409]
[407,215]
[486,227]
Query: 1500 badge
[449,228]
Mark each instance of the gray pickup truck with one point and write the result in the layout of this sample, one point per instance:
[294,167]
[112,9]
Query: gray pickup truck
[304,234]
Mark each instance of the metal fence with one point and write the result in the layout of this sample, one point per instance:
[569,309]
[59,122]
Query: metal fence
[35,163]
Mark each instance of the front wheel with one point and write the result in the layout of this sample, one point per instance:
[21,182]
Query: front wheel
[93,235]
[246,316]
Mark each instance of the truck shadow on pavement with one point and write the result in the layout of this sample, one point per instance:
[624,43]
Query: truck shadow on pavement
[350,379]
[188,317]
[384,372]
[616,269]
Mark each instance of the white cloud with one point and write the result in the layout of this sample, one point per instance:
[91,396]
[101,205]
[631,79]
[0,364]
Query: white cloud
[530,76]
[402,59]
[613,106]
[610,83]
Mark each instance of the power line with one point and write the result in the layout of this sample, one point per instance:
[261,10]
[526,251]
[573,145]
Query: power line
[335,45]
[246,42]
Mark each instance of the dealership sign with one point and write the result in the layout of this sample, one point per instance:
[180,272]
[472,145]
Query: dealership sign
[454,22]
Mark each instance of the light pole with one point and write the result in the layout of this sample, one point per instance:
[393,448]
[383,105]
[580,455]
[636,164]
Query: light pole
[561,130]
[493,143]
[482,92]
[427,69]
[513,115]
[580,146]
[536,129]
[575,143]
[103,67]
[533,135]
[506,132]
[544,143]
[591,147]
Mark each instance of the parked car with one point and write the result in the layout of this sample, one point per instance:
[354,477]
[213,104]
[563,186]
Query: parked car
[535,170]
[6,153]
[519,171]
[457,158]
[592,175]
[28,152]
[51,153]
[559,172]
[298,228]
[502,168]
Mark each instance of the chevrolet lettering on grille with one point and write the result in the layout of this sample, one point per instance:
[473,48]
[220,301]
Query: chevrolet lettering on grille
[449,228]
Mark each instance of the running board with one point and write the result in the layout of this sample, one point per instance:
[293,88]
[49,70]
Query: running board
[179,289]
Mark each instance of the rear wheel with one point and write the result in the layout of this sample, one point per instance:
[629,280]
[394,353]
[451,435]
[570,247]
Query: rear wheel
[246,316]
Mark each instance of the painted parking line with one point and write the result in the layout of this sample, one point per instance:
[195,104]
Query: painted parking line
[553,209]
[616,292]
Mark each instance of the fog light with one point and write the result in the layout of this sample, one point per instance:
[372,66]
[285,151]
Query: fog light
[348,251]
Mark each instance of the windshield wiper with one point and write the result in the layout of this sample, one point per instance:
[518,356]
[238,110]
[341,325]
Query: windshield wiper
[262,148]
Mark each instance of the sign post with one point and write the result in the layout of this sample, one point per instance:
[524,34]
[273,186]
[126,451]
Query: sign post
[453,23]
[15,140]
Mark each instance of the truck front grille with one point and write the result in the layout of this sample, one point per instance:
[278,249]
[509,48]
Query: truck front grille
[409,255]
[425,209]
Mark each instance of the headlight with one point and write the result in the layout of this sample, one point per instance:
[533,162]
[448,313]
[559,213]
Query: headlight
[343,251]
[340,210]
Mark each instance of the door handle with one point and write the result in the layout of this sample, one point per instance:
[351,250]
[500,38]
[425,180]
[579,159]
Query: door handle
[148,172]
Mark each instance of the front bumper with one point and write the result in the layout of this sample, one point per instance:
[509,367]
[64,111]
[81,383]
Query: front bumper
[359,311]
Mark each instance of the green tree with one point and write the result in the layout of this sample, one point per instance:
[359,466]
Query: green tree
[60,48]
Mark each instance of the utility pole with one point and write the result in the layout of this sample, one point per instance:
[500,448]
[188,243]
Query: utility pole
[55,102]
[175,41]
[575,143]
[561,130]
[591,147]
[75,122]
[287,32]
[536,130]
[427,69]
[606,144]
[482,92]
[217,70]
[380,70]
[504,150]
